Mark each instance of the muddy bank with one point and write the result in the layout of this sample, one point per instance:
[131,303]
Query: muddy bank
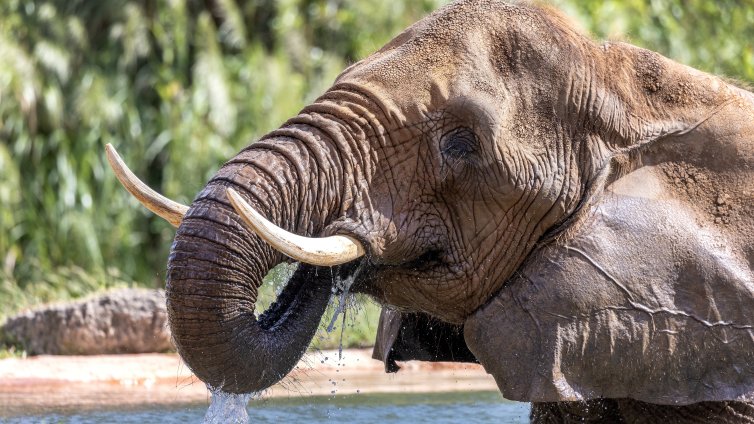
[115,322]
[67,383]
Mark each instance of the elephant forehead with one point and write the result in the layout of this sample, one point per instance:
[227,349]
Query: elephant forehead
[454,45]
[421,67]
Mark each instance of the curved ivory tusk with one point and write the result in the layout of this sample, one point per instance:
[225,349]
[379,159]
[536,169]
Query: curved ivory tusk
[167,209]
[325,251]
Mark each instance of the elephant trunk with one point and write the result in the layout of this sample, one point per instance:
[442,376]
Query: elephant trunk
[216,266]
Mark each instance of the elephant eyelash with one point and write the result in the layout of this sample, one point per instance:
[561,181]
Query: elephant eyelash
[459,144]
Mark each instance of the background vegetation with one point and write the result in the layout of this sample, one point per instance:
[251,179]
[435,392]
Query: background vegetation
[179,86]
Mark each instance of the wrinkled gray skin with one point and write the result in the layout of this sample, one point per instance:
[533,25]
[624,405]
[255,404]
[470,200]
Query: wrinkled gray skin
[584,211]
[574,325]
[675,327]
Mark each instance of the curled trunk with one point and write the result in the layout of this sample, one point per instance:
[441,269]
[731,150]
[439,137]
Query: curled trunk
[216,267]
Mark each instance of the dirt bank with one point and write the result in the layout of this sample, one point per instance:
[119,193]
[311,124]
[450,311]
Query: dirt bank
[60,383]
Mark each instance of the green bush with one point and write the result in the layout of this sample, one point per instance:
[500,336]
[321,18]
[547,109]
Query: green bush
[714,36]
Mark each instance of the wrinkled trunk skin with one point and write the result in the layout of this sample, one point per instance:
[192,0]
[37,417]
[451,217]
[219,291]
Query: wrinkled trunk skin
[216,265]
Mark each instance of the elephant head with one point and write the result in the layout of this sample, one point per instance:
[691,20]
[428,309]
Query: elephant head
[444,171]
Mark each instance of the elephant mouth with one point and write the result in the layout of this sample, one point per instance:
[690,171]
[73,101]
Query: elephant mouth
[430,259]
[377,273]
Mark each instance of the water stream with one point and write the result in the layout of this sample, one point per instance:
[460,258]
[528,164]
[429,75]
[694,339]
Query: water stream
[341,288]
[227,408]
[230,408]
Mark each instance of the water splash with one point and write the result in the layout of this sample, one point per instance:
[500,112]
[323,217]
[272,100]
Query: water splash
[342,289]
[227,408]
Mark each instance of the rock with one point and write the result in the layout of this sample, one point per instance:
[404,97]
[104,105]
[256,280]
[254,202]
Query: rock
[120,321]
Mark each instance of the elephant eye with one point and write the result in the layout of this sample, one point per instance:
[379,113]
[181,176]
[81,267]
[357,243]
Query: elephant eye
[459,143]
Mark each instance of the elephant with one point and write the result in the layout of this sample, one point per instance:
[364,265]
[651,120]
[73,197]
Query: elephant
[576,216]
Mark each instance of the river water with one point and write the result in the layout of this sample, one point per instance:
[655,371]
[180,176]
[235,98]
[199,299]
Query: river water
[434,408]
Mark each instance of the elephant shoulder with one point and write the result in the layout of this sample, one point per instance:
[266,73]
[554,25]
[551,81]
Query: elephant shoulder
[644,300]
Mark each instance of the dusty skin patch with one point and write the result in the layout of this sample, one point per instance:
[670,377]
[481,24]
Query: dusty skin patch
[55,383]
[695,184]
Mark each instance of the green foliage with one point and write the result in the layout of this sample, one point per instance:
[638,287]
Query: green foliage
[356,329]
[10,347]
[714,36]
[179,86]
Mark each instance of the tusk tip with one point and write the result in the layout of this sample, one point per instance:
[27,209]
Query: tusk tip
[110,150]
[167,209]
[116,162]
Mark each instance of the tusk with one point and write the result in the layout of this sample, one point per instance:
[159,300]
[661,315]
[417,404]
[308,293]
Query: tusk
[325,251]
[167,209]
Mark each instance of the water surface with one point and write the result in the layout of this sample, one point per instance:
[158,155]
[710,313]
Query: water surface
[434,408]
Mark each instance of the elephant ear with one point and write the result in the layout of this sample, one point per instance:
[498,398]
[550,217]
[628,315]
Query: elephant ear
[642,301]
[416,336]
